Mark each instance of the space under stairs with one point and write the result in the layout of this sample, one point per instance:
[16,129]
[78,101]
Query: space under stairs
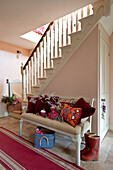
[59,42]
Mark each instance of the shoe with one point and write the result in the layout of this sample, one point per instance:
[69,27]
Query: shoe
[86,149]
[93,153]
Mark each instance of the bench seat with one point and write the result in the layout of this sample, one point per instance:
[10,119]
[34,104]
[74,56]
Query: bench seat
[55,124]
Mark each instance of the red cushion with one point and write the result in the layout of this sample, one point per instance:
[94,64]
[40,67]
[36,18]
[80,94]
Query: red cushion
[32,104]
[42,103]
[87,110]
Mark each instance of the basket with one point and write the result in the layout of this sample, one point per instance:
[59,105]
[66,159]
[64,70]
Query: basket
[44,140]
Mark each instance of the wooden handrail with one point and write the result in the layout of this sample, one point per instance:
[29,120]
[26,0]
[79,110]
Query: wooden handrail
[37,45]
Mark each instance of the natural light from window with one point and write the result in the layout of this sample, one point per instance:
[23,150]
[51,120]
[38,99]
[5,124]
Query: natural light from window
[36,34]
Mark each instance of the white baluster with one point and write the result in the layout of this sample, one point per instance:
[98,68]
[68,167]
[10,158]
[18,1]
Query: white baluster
[64,31]
[74,21]
[90,9]
[51,44]
[69,28]
[23,82]
[56,38]
[45,55]
[41,59]
[48,49]
[38,62]
[27,79]
[79,17]
[29,76]
[60,32]
[32,71]
[35,75]
[84,11]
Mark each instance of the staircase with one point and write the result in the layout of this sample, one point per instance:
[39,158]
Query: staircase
[59,42]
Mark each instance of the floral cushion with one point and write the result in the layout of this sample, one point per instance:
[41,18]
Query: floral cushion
[71,115]
[62,102]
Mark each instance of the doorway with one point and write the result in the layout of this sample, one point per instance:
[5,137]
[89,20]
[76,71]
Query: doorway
[104,50]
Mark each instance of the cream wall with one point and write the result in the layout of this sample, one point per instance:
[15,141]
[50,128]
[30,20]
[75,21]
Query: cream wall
[9,69]
[111,83]
[79,76]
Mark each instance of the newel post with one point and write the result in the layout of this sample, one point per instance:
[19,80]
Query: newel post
[22,81]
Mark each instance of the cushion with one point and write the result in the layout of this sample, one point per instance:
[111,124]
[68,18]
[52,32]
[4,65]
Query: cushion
[87,110]
[71,115]
[31,104]
[65,101]
[42,103]
[45,102]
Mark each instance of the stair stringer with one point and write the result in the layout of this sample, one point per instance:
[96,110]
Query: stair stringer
[77,39]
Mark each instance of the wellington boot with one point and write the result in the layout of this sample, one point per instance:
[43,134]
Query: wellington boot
[86,149]
[93,153]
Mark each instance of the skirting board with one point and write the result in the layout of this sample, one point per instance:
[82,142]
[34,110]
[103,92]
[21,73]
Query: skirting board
[111,127]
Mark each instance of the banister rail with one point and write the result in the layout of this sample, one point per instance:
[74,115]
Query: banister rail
[37,45]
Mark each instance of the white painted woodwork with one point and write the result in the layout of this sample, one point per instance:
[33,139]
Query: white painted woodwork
[104,85]
[27,79]
[38,65]
[32,71]
[41,59]
[29,76]
[35,75]
[48,50]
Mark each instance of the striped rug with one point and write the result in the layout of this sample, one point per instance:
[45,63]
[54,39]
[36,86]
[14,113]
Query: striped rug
[17,153]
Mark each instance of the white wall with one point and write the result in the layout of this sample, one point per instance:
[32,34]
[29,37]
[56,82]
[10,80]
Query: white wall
[9,69]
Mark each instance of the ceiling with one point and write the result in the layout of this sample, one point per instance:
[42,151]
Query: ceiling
[21,16]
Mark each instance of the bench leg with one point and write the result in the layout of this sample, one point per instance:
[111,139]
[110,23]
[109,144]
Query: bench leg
[77,142]
[21,121]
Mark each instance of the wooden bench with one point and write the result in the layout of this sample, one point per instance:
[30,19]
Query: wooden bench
[76,133]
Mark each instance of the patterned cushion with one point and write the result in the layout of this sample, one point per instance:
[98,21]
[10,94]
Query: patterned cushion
[71,115]
[65,101]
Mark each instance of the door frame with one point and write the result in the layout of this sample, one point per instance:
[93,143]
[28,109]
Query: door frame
[100,34]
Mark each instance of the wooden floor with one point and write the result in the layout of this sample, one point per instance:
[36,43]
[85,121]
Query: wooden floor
[64,146]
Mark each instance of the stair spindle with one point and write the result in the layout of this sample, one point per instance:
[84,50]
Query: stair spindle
[29,76]
[48,49]
[51,44]
[56,39]
[32,71]
[69,28]
[26,79]
[35,76]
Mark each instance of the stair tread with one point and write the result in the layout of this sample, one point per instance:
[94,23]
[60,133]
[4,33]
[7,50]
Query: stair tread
[49,68]
[86,18]
[55,58]
[42,78]
[65,46]
[78,32]
[36,86]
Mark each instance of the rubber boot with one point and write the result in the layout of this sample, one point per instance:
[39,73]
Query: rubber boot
[93,154]
[86,149]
